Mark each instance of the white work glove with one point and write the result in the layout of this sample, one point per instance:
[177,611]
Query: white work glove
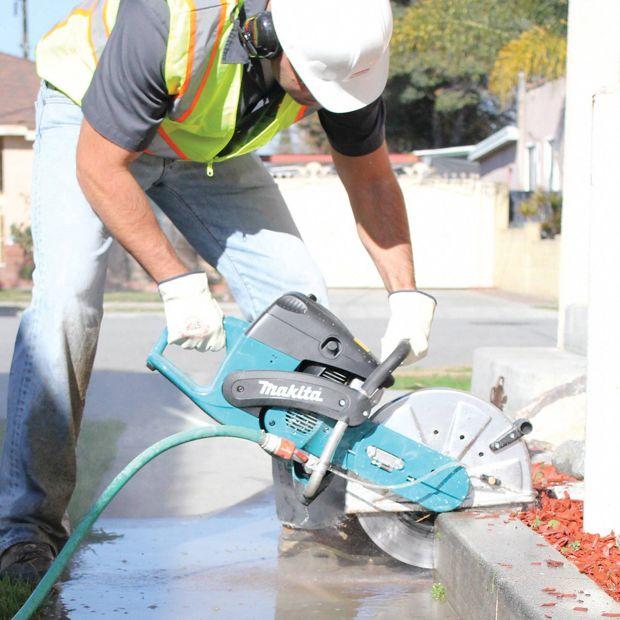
[411,318]
[194,318]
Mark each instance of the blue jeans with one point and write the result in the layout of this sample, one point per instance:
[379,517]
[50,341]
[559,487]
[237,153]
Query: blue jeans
[236,220]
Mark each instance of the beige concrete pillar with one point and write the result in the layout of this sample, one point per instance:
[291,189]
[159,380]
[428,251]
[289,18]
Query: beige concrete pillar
[593,62]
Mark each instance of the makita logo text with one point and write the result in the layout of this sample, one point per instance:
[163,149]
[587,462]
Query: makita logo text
[303,392]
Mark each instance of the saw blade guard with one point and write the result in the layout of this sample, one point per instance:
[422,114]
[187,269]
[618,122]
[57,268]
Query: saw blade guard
[464,428]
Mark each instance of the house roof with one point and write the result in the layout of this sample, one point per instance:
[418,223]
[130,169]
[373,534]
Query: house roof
[454,152]
[19,85]
[505,136]
[294,159]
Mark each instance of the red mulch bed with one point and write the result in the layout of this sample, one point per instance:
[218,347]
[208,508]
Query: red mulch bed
[560,521]
[545,476]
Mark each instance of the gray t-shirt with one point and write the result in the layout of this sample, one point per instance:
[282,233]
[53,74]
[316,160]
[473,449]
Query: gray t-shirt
[128,99]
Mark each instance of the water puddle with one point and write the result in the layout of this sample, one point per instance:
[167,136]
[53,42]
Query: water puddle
[238,563]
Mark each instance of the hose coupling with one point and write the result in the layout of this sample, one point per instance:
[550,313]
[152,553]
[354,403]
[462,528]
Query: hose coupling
[282,448]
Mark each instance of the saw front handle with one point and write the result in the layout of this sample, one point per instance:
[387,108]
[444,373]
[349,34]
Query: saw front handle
[381,376]
[377,379]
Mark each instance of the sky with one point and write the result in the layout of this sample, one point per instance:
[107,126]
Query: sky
[43,14]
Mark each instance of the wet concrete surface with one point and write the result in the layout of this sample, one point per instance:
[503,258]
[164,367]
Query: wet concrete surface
[238,564]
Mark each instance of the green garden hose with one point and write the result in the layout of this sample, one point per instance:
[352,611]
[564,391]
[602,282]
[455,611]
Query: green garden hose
[47,583]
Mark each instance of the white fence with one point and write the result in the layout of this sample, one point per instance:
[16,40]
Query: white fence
[452,224]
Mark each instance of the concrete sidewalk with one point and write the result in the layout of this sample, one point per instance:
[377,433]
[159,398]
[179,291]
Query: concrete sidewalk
[497,568]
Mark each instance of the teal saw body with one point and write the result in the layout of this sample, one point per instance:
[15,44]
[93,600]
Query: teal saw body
[372,453]
[297,373]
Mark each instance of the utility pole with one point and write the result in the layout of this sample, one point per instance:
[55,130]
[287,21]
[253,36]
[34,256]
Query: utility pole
[25,38]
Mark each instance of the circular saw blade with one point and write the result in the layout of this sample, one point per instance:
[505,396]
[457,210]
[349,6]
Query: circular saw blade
[406,536]
[461,426]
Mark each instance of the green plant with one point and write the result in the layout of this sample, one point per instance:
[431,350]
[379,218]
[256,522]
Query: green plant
[456,378]
[13,595]
[22,236]
[438,592]
[553,523]
[96,451]
[548,207]
[573,546]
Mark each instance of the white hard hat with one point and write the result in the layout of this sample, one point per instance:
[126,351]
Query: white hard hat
[339,48]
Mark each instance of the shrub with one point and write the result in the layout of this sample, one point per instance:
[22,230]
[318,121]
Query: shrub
[547,207]
[22,236]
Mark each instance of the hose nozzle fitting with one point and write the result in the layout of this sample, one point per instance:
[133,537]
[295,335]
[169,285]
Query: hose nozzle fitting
[282,448]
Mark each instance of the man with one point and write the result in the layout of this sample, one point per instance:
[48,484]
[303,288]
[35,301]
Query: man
[165,100]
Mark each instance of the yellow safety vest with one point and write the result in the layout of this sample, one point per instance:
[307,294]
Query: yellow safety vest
[201,125]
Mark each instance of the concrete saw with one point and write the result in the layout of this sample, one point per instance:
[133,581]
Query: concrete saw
[299,376]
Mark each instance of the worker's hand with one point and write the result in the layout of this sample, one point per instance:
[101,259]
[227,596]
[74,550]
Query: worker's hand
[411,319]
[194,318]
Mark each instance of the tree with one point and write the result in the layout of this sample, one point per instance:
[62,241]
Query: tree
[538,52]
[442,54]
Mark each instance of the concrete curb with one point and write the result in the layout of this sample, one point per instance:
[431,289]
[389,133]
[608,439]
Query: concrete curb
[495,568]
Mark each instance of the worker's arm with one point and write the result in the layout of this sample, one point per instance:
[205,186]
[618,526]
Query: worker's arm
[115,196]
[103,170]
[379,210]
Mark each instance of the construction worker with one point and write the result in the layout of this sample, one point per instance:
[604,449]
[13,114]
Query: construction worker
[166,101]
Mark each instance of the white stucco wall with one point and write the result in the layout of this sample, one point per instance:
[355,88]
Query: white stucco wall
[452,225]
[602,509]
[459,229]
[526,264]
[593,62]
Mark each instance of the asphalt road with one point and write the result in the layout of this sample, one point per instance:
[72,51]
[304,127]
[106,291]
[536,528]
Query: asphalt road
[195,534]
